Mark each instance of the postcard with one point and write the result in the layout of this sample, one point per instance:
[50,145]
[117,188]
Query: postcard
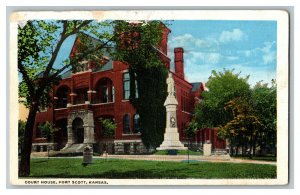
[149,97]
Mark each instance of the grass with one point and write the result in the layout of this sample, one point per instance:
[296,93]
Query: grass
[180,152]
[130,169]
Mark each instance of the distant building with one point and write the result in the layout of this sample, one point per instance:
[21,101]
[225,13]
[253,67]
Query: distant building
[82,98]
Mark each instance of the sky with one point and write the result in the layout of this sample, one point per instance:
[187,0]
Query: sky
[249,47]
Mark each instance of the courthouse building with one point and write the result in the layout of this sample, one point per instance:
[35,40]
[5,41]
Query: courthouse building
[83,97]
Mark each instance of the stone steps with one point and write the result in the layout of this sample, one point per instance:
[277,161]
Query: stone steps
[72,150]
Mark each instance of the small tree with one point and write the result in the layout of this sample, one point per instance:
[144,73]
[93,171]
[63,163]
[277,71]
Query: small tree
[244,127]
[109,127]
[48,129]
[190,130]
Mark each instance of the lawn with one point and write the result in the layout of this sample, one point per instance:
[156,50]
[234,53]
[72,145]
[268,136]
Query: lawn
[130,169]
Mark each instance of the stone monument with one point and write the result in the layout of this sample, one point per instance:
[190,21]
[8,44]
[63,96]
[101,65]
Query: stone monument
[171,136]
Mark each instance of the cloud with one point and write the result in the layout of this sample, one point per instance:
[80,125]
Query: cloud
[269,53]
[266,53]
[214,52]
[234,35]
[189,41]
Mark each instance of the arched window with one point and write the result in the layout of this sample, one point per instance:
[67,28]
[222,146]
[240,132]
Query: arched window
[105,91]
[136,123]
[126,124]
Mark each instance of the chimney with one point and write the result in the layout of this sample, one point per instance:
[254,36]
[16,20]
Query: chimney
[179,66]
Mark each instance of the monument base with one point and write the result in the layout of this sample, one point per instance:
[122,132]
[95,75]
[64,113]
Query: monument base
[172,148]
[171,141]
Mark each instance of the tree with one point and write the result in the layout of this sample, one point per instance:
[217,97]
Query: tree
[137,45]
[264,102]
[109,128]
[191,129]
[243,129]
[223,87]
[39,43]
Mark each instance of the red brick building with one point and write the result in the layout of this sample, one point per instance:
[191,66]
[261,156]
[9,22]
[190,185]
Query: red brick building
[82,98]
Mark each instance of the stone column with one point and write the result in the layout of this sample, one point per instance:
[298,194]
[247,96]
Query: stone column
[131,150]
[89,128]
[71,138]
[73,96]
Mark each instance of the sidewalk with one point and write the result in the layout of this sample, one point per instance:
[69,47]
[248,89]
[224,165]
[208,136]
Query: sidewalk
[178,158]
[175,158]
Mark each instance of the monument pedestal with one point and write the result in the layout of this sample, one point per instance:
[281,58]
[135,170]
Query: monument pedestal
[171,141]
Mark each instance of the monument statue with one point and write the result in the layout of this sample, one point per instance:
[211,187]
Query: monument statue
[171,136]
[171,85]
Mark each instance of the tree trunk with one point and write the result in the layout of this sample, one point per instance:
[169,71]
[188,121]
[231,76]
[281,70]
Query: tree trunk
[24,169]
[236,151]
[254,146]
[251,147]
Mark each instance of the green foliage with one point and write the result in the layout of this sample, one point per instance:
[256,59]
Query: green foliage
[223,87]
[133,169]
[245,116]
[136,45]
[264,101]
[243,128]
[47,130]
[39,42]
[109,127]
[190,130]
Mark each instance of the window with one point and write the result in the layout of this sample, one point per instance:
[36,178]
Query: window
[136,123]
[82,96]
[105,91]
[136,90]
[126,124]
[126,86]
[113,93]
[62,97]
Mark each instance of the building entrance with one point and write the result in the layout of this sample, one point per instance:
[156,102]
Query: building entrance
[78,130]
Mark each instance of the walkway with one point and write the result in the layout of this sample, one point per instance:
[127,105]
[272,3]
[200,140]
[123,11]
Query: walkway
[176,158]
[217,158]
